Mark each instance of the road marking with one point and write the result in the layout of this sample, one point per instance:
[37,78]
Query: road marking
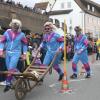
[54,84]
[73,80]
[77,80]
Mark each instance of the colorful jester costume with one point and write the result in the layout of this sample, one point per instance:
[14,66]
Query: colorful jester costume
[80,47]
[13,44]
[53,42]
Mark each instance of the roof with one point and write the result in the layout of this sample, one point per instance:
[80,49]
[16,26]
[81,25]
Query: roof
[83,5]
[58,12]
[42,5]
[92,3]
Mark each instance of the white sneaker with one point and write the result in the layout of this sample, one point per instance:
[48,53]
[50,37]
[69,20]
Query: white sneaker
[4,83]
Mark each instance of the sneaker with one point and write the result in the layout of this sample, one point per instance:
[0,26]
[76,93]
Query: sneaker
[73,76]
[60,77]
[7,88]
[3,83]
[88,76]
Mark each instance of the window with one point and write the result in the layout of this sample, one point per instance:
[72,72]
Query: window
[93,9]
[98,21]
[88,7]
[90,19]
[57,23]
[62,5]
[65,5]
[69,4]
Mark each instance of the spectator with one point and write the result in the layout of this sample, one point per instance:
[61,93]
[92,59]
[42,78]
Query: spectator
[34,51]
[98,49]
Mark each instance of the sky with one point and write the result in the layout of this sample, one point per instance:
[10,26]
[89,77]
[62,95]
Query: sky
[31,3]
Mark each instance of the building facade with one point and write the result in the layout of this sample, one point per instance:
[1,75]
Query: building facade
[85,14]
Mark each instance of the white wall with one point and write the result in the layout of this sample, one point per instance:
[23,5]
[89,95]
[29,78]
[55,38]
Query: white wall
[92,25]
[72,19]
[76,16]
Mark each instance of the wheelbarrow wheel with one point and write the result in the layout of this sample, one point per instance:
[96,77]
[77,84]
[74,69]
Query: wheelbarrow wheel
[20,89]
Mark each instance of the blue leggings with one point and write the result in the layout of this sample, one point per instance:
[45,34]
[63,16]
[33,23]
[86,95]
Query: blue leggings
[11,63]
[83,57]
[12,59]
[48,59]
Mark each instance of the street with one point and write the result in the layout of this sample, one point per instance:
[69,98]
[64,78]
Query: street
[82,89]
[32,32]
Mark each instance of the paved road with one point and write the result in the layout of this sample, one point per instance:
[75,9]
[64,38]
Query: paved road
[82,89]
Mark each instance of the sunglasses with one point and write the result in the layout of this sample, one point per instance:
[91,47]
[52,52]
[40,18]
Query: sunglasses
[46,28]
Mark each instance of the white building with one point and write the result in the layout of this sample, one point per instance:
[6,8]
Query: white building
[90,17]
[84,14]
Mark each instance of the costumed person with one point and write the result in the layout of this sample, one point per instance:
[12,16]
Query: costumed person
[98,49]
[54,43]
[15,43]
[80,50]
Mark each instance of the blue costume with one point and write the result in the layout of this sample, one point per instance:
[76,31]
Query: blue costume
[14,44]
[80,47]
[53,42]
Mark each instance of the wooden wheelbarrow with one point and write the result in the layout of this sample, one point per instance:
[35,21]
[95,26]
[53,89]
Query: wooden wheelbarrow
[27,80]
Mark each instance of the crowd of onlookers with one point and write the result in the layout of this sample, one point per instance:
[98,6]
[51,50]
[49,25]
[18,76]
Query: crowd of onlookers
[18,4]
[34,41]
[37,38]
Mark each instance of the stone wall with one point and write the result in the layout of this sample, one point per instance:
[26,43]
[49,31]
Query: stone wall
[31,20]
